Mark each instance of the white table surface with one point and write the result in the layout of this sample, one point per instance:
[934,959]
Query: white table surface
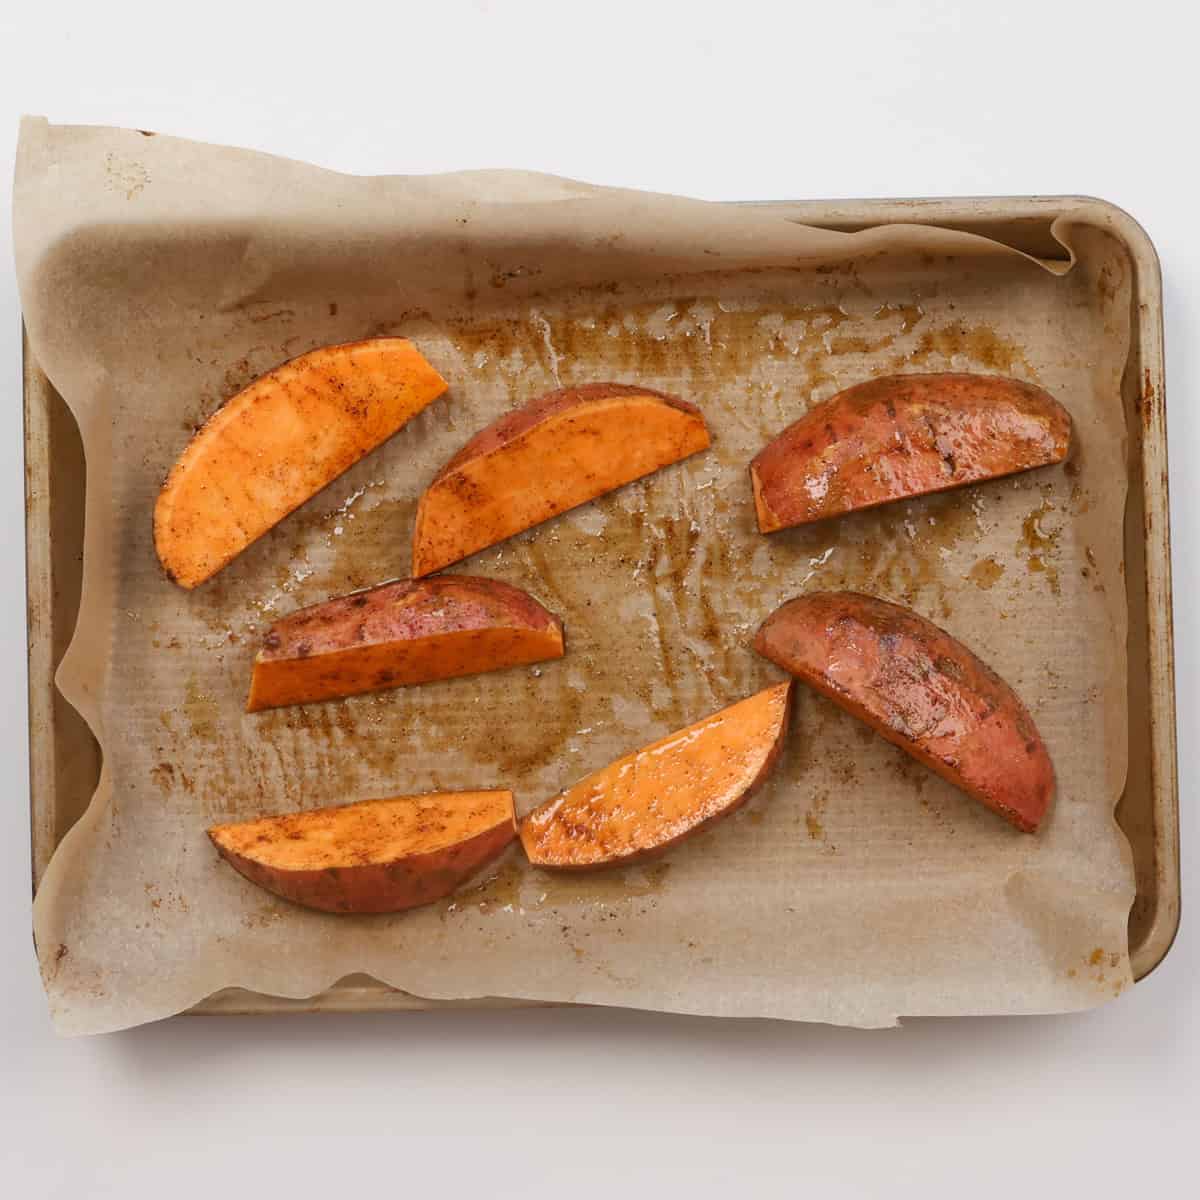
[729,100]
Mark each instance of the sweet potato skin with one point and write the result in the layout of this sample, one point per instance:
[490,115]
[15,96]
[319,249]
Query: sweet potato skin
[405,632]
[368,869]
[902,436]
[278,442]
[643,804]
[559,451]
[922,690]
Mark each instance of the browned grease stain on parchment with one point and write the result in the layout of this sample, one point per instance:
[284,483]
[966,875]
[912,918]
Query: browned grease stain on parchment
[896,550]
[374,541]
[903,316]
[986,572]
[694,336]
[518,886]
[1038,544]
[164,777]
[1095,967]
[201,711]
[908,314]
[812,818]
[608,887]
[981,344]
[536,731]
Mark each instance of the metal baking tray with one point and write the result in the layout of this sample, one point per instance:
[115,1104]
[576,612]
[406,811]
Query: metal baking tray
[64,759]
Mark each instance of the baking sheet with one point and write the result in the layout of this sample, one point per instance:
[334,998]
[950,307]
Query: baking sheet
[855,888]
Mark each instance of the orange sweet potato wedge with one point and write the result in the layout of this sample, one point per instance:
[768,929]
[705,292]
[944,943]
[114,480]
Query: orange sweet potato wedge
[551,455]
[922,690]
[278,442]
[901,436]
[410,631]
[647,801]
[373,857]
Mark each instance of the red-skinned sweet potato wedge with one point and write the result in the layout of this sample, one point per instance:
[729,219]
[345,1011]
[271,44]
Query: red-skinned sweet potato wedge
[410,631]
[922,690]
[373,857]
[278,442]
[644,803]
[551,455]
[901,436]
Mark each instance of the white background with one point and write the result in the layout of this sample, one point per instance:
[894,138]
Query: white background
[720,100]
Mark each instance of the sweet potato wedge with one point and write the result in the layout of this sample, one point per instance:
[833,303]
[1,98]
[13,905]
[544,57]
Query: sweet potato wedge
[280,441]
[551,455]
[647,801]
[901,436]
[375,856]
[922,690]
[410,631]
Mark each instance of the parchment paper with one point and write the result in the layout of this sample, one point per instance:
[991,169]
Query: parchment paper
[158,276]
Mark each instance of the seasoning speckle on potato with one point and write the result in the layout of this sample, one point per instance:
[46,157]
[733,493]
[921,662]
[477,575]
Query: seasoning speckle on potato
[560,451]
[278,442]
[647,801]
[375,856]
[405,632]
[922,690]
[902,436]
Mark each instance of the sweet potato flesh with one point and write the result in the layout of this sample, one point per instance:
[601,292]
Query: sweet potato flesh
[376,856]
[558,452]
[280,441]
[922,690]
[901,436]
[411,631]
[647,801]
